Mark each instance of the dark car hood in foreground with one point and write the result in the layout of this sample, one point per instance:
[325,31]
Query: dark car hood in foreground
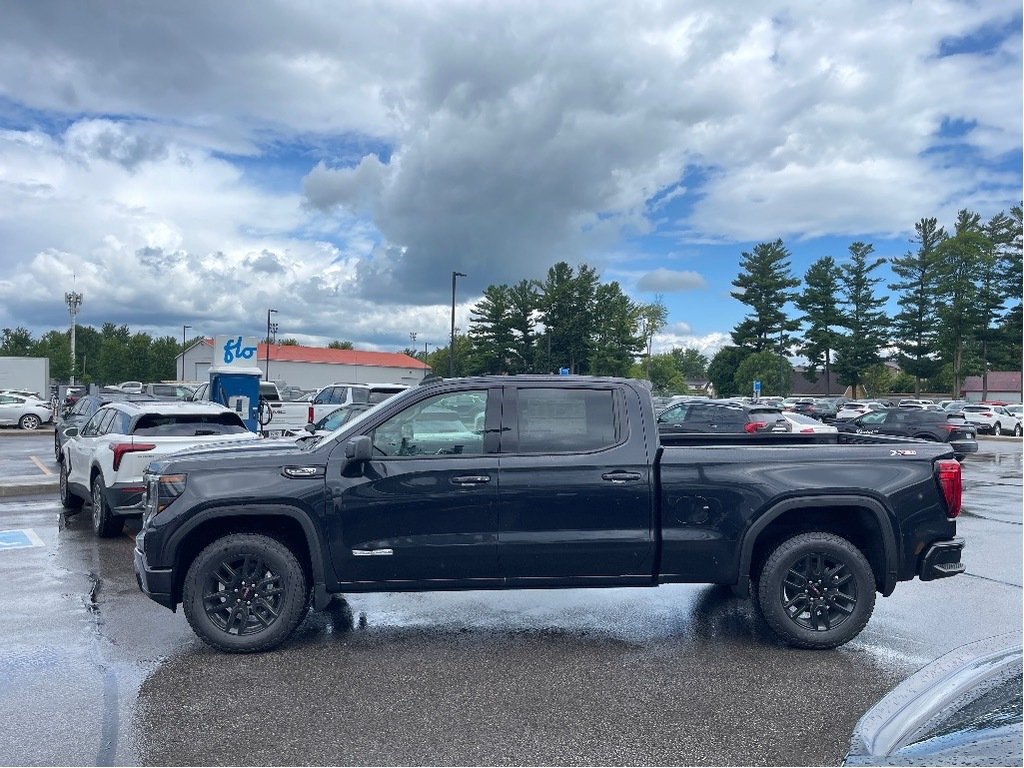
[263,452]
[962,709]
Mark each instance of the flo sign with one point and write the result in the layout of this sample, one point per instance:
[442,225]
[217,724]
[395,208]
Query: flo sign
[231,352]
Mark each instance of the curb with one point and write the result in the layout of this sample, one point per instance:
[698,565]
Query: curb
[30,489]
[16,432]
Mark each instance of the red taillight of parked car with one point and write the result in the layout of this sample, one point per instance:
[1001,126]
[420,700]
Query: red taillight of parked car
[309,417]
[952,484]
[754,426]
[120,449]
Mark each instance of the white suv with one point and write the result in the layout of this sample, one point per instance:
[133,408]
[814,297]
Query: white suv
[992,418]
[103,461]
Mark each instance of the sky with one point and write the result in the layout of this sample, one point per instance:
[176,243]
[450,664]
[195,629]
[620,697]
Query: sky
[200,163]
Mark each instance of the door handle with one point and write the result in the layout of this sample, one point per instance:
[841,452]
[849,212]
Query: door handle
[621,477]
[471,479]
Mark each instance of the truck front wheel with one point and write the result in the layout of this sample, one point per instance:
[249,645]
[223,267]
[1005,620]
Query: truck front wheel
[244,593]
[816,590]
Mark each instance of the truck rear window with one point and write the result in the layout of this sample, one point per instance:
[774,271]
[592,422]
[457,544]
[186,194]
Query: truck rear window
[189,424]
[565,420]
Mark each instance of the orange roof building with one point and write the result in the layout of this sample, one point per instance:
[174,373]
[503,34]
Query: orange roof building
[314,367]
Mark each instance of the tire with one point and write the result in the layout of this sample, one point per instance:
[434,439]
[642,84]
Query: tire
[997,429]
[822,616]
[1017,430]
[72,504]
[29,421]
[105,524]
[221,571]
[57,453]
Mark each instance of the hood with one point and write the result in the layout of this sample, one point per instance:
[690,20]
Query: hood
[256,452]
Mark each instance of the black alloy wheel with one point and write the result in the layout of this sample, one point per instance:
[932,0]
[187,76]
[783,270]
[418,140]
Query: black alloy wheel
[816,590]
[245,592]
[72,504]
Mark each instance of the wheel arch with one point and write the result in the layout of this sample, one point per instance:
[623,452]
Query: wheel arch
[289,525]
[862,520]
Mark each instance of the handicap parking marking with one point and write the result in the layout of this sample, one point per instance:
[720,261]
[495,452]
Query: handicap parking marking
[19,539]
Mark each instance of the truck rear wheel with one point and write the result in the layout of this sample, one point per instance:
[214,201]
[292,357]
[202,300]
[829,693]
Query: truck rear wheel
[816,590]
[244,593]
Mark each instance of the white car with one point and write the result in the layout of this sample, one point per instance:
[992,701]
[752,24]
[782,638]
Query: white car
[992,418]
[853,410]
[132,387]
[1016,410]
[24,412]
[806,425]
[103,461]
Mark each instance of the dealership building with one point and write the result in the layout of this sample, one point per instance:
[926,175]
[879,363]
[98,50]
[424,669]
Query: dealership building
[314,367]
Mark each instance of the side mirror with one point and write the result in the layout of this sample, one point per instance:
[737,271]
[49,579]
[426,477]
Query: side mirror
[71,432]
[359,449]
[311,428]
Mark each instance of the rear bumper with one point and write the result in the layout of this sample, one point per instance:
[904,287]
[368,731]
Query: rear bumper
[157,584]
[964,446]
[126,499]
[942,560]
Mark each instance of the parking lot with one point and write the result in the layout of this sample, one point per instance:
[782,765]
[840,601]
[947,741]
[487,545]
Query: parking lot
[95,673]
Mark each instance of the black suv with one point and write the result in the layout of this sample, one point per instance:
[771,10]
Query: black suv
[720,416]
[936,426]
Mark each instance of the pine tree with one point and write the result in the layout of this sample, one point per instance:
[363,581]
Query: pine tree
[764,284]
[490,332]
[915,327]
[861,315]
[820,304]
[567,310]
[616,332]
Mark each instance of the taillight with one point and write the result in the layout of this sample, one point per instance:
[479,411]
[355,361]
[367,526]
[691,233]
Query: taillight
[952,485]
[986,414]
[309,417]
[754,426]
[807,429]
[120,449]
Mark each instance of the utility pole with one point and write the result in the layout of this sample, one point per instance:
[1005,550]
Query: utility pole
[269,313]
[183,329]
[451,349]
[74,301]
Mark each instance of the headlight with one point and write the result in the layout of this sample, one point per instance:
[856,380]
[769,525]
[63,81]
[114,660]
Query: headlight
[161,491]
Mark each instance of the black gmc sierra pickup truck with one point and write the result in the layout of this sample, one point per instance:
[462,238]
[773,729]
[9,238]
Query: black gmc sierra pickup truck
[531,481]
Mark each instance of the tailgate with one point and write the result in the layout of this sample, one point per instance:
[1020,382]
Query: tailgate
[134,462]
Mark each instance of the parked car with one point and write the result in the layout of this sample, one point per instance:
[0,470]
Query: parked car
[1016,410]
[994,419]
[170,391]
[131,387]
[82,411]
[104,461]
[935,426]
[24,412]
[563,486]
[332,421]
[711,416]
[804,424]
[341,393]
[964,708]
[822,408]
[852,410]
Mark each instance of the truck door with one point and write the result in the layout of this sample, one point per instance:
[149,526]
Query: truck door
[575,487]
[424,508]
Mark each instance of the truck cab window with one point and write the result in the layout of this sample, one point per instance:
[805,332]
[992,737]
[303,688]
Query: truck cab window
[565,420]
[438,426]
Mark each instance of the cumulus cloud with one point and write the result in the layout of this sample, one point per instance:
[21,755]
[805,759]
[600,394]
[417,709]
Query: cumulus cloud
[488,138]
[664,280]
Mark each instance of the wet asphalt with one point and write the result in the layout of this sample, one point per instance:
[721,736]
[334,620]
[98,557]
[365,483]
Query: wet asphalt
[96,674]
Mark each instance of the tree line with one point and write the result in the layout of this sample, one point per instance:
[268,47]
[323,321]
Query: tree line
[958,296]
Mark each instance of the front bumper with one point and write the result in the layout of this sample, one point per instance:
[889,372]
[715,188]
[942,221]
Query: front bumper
[156,583]
[942,560]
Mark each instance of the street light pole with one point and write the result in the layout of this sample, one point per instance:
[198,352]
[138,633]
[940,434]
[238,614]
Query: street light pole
[183,329]
[269,313]
[451,349]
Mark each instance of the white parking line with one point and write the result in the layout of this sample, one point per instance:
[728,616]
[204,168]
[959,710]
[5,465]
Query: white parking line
[41,466]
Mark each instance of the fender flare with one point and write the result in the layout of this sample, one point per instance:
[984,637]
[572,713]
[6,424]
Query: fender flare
[321,597]
[882,517]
